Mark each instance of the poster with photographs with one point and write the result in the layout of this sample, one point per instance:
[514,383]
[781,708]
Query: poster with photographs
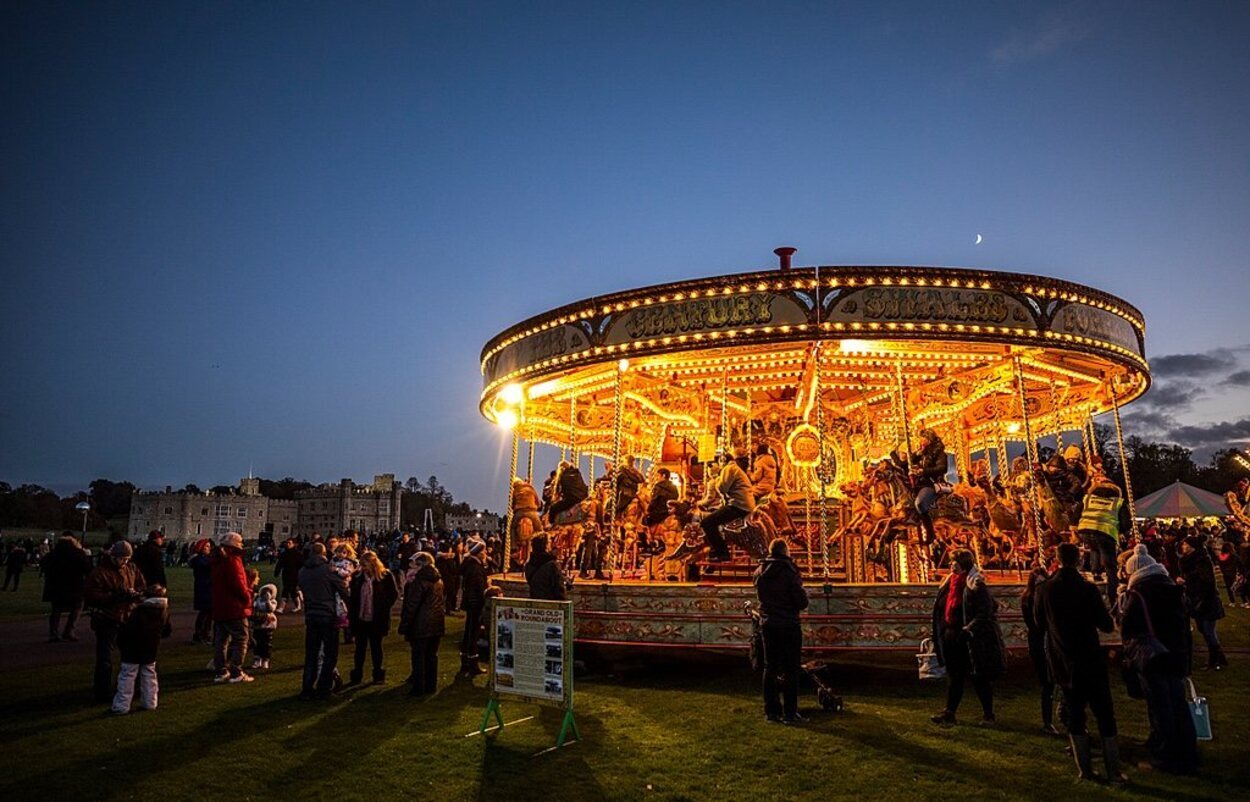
[531,650]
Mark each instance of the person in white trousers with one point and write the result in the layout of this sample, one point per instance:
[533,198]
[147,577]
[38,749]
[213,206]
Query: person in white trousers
[138,640]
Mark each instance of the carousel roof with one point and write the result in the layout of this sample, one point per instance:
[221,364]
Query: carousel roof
[977,352]
[1179,500]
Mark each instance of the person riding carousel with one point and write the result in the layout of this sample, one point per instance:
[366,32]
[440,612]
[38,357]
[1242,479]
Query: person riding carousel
[764,487]
[570,490]
[524,509]
[734,487]
[928,471]
[1236,500]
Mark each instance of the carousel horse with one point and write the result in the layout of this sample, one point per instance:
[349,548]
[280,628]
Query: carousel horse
[573,530]
[748,534]
[890,507]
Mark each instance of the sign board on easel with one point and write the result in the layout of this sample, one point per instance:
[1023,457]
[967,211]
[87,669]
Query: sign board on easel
[531,657]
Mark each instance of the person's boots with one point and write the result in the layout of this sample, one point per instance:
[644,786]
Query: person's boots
[1111,759]
[1048,719]
[356,675]
[464,666]
[1218,659]
[379,676]
[1080,752]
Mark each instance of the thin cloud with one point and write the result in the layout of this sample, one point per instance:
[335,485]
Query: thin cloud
[1211,434]
[1175,396]
[1193,365]
[1239,379]
[1152,421]
[1049,35]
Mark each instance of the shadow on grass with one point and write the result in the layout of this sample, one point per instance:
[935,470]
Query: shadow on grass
[504,762]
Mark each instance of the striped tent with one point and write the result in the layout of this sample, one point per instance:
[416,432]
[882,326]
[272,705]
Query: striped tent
[1179,500]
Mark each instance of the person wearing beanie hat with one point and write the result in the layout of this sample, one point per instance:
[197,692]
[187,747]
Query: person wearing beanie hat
[264,624]
[110,592]
[1202,596]
[1153,608]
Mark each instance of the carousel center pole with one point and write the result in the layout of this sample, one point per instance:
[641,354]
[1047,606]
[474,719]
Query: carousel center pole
[1030,450]
[617,422]
[1128,482]
[822,470]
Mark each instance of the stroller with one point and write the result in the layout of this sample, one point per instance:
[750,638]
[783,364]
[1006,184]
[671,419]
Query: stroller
[821,674]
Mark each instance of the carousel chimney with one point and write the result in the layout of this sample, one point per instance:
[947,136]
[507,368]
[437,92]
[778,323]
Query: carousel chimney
[784,254]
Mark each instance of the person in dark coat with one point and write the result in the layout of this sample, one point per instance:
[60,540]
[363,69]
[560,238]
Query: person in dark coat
[448,565]
[472,601]
[927,467]
[286,570]
[373,593]
[542,572]
[14,564]
[138,640]
[1202,595]
[201,564]
[111,591]
[1153,606]
[1073,612]
[407,548]
[570,489]
[322,587]
[422,622]
[1037,647]
[782,598]
[150,558]
[967,638]
[662,492]
[65,570]
[1230,568]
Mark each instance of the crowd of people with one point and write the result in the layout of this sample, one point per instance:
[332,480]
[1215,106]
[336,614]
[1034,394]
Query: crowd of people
[352,591]
[348,589]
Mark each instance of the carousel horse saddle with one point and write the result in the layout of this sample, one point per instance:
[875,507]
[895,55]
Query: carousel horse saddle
[574,515]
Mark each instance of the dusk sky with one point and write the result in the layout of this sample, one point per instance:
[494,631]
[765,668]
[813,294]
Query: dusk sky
[277,235]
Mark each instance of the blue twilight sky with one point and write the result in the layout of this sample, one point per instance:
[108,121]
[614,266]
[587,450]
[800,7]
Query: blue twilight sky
[277,234]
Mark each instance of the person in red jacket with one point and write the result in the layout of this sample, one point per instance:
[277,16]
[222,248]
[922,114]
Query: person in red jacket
[232,609]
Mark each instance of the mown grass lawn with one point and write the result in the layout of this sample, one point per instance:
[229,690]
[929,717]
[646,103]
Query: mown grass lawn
[691,729]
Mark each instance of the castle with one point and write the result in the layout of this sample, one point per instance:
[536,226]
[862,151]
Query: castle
[327,509]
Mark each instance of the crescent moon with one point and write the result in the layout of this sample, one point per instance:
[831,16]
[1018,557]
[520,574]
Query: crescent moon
[978,242]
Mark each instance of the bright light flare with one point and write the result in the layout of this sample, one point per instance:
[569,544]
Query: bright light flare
[507,419]
[512,394]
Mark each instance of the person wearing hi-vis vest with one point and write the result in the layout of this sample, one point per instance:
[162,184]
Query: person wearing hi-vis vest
[1099,529]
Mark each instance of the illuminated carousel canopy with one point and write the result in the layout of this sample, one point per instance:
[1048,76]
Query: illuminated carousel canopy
[772,345]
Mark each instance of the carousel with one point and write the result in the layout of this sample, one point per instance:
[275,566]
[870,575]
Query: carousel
[835,391]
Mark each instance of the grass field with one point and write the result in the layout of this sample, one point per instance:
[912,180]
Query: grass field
[664,730]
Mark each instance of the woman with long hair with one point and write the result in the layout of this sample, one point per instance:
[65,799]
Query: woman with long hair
[373,593]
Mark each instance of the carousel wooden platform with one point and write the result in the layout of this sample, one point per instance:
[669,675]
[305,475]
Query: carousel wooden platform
[712,614]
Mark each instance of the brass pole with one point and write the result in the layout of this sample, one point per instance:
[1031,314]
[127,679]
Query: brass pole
[1030,450]
[507,530]
[1128,482]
